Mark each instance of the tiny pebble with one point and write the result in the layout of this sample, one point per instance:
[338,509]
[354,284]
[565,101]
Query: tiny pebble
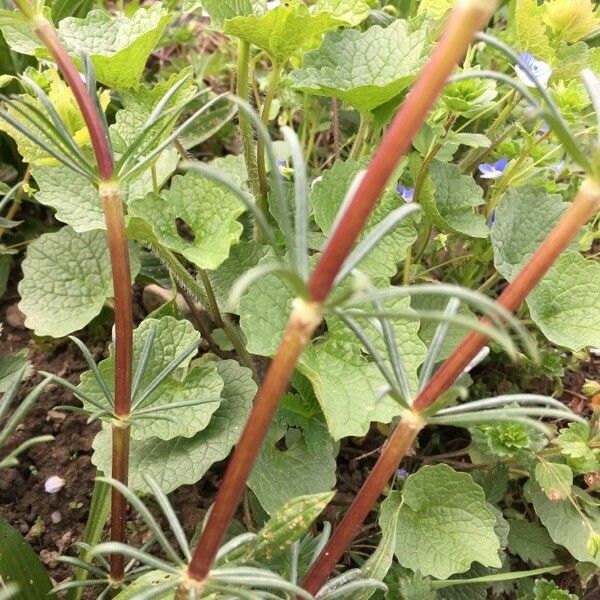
[54,484]
[56,517]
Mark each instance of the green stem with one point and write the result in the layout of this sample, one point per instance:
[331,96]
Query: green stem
[260,150]
[243,91]
[489,282]
[359,140]
[473,156]
[207,299]
[12,211]
[511,576]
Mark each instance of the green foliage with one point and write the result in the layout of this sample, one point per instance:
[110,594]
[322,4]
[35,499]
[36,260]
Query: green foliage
[515,440]
[287,525]
[530,542]
[117,46]
[66,280]
[444,523]
[206,208]
[555,479]
[563,304]
[185,460]
[284,30]
[340,69]
[449,200]
[548,590]
[200,382]
[286,468]
[20,565]
[580,445]
[568,523]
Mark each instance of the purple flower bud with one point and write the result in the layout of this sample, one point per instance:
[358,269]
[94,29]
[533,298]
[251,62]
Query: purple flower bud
[402,473]
[54,484]
[492,219]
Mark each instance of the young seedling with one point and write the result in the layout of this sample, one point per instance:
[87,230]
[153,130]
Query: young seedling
[465,20]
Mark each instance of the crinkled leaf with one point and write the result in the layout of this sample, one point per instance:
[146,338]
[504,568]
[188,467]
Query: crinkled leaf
[66,280]
[548,590]
[181,460]
[507,439]
[494,482]
[564,305]
[555,479]
[571,20]
[580,446]
[288,524]
[364,69]
[282,473]
[222,10]
[201,382]
[530,31]
[449,198]
[118,46]
[326,198]
[567,524]
[530,542]
[242,257]
[410,586]
[282,31]
[194,217]
[524,218]
[445,524]
[351,12]
[73,196]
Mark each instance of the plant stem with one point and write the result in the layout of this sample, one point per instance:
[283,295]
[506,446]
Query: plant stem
[207,299]
[359,140]
[243,91]
[112,204]
[47,35]
[304,319]
[586,203]
[14,207]
[399,443]
[335,128]
[465,20]
[260,148]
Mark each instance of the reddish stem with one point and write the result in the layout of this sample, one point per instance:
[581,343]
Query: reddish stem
[303,321]
[465,20]
[586,203]
[467,17]
[47,35]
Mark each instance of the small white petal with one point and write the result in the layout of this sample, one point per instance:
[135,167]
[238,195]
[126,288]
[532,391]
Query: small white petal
[541,71]
[54,484]
[316,180]
[56,517]
[595,351]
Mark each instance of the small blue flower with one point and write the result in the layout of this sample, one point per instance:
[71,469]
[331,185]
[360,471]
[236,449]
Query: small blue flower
[540,70]
[406,193]
[402,473]
[492,219]
[493,170]
[281,163]
[559,166]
